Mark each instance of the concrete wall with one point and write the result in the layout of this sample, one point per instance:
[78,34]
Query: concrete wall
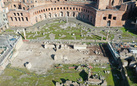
[80,46]
[18,43]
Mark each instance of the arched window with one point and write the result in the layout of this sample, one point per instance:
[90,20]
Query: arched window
[108,23]
[11,18]
[43,10]
[61,13]
[36,19]
[14,5]
[40,17]
[23,8]
[88,17]
[16,19]
[19,18]
[73,8]
[57,8]
[55,15]
[26,18]
[73,14]
[18,14]
[14,14]
[22,18]
[21,14]
[45,16]
[49,15]
[91,19]
[67,13]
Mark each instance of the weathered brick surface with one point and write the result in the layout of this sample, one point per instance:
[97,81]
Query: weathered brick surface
[100,13]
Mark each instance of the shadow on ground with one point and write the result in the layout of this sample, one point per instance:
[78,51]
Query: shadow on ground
[83,75]
[130,27]
[117,70]
[131,74]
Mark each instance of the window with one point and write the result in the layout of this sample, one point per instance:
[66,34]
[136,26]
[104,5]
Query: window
[73,14]
[61,13]
[109,16]
[22,18]
[73,8]
[14,5]
[40,17]
[64,8]
[15,18]
[11,18]
[19,18]
[23,8]
[91,19]
[19,7]
[18,14]
[58,8]
[21,14]
[51,8]
[104,18]
[61,8]
[54,8]
[26,18]
[43,10]
[114,18]
[67,13]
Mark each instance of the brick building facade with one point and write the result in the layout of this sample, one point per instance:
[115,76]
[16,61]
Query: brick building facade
[100,13]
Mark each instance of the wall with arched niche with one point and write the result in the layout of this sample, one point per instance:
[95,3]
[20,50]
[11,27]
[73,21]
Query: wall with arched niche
[37,14]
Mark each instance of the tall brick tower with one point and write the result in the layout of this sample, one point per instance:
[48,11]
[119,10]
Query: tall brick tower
[116,2]
[102,4]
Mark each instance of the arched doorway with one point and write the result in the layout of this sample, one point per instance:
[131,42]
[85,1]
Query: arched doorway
[73,14]
[49,15]
[55,15]
[67,13]
[79,15]
[108,23]
[36,19]
[61,14]
[45,16]
[40,17]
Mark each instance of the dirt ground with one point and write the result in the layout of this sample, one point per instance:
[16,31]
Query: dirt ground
[41,59]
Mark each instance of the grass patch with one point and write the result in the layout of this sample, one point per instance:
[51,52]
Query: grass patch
[131,32]
[62,74]
[9,30]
